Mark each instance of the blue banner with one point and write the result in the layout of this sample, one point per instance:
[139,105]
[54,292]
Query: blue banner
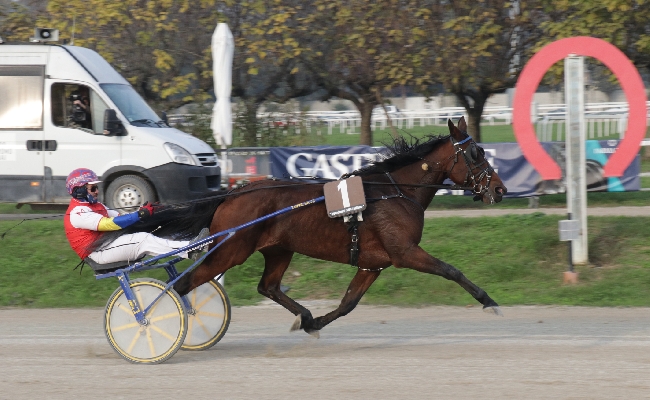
[329,162]
[519,176]
[522,180]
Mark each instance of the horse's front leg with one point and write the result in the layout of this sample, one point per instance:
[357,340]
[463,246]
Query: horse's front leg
[357,288]
[417,259]
[276,262]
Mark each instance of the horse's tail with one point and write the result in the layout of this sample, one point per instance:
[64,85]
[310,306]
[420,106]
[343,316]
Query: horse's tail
[181,221]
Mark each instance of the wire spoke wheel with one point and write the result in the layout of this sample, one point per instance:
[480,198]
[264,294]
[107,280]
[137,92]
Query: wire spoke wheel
[209,318]
[162,334]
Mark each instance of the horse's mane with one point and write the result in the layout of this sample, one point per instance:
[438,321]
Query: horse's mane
[181,221]
[401,152]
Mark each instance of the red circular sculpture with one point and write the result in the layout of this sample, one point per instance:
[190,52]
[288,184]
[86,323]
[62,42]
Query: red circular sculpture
[532,75]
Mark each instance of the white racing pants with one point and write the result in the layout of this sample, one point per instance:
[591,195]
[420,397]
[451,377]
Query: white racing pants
[133,246]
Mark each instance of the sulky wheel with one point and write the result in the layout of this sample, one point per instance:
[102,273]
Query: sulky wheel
[209,318]
[162,334]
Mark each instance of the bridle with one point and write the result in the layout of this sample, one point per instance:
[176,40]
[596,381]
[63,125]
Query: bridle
[470,156]
[472,181]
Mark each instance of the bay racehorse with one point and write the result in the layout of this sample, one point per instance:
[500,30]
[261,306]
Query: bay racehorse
[389,234]
[398,190]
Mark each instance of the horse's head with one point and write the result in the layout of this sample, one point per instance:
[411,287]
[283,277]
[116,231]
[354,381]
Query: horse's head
[467,166]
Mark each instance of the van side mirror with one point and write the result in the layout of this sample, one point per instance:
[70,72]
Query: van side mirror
[112,125]
[163,116]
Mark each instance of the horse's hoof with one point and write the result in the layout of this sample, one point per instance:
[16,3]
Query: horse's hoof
[493,310]
[315,334]
[296,324]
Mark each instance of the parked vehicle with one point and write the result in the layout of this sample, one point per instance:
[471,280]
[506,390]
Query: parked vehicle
[45,133]
[392,111]
[500,115]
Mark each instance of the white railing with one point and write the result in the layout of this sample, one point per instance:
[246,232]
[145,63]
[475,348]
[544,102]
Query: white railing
[553,127]
[603,119]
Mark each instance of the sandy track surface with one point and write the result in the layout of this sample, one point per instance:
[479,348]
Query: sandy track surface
[375,352]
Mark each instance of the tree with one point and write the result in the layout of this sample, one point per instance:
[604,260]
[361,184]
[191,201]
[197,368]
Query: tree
[358,49]
[476,49]
[266,65]
[161,46]
[624,23]
[18,19]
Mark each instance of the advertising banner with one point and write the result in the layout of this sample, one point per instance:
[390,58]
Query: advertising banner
[522,180]
[519,176]
[329,162]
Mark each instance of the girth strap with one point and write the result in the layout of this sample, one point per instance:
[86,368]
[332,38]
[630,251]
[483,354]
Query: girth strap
[353,227]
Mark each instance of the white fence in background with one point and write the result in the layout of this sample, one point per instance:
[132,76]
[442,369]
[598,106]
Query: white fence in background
[603,119]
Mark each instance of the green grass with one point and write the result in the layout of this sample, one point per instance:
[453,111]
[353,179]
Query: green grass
[490,134]
[10,208]
[517,259]
[594,199]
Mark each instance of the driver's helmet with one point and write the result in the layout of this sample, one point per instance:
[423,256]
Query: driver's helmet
[80,177]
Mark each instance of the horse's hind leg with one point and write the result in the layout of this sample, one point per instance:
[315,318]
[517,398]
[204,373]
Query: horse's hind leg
[419,260]
[276,262]
[359,285]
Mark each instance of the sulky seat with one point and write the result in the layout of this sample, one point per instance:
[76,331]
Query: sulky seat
[110,267]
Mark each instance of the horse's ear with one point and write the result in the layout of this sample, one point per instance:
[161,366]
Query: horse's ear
[453,131]
[462,125]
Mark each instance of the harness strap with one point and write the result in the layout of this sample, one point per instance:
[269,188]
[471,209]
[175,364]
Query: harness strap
[354,247]
[399,193]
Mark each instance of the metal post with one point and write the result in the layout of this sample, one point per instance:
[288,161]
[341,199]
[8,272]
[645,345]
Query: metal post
[569,230]
[570,256]
[575,154]
[224,167]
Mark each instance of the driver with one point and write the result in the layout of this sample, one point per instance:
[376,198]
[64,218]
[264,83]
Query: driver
[86,219]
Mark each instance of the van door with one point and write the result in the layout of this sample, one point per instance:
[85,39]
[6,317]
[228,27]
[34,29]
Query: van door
[75,135]
[21,133]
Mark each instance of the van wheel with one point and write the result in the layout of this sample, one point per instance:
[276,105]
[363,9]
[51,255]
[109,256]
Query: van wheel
[127,193]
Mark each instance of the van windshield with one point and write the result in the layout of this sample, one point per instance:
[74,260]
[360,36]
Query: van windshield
[134,108]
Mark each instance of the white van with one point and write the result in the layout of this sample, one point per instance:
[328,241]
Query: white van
[65,107]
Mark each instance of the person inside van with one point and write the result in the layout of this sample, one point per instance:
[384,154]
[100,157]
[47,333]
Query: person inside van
[80,113]
[86,219]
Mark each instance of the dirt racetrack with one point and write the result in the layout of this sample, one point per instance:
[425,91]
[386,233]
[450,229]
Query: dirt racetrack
[375,352]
